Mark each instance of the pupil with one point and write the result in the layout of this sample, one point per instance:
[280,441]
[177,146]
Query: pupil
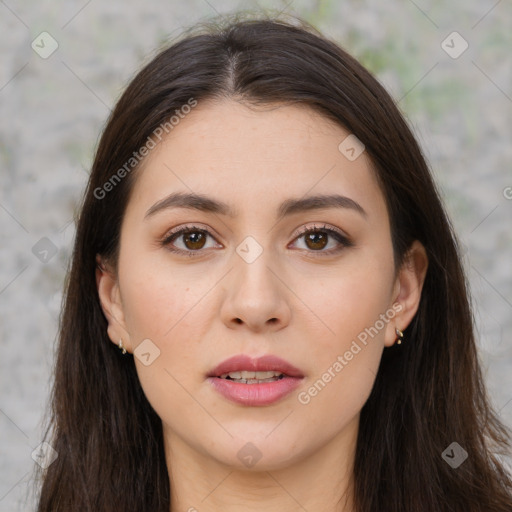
[195,238]
[313,238]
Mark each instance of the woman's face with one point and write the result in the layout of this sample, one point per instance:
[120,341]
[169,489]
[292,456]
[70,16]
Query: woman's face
[246,280]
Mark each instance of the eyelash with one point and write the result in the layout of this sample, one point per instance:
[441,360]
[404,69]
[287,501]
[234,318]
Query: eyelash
[342,239]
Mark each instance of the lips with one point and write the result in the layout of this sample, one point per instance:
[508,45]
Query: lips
[234,379]
[267,363]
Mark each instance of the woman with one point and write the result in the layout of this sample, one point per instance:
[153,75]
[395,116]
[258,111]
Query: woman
[266,308]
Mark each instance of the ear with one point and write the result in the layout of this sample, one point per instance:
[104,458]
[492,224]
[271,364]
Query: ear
[407,290]
[110,300]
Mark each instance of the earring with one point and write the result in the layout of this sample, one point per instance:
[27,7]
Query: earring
[400,335]
[121,347]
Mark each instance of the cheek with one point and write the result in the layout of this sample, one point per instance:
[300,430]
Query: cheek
[345,302]
[351,313]
[171,309]
[159,302]
[158,307]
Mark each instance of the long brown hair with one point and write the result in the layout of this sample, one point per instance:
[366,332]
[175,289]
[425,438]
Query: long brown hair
[429,391]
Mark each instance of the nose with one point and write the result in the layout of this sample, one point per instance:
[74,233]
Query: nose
[256,298]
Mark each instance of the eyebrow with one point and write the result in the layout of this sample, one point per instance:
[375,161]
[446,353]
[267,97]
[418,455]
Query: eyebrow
[288,207]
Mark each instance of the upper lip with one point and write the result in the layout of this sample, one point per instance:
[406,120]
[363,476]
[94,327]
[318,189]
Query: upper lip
[265,363]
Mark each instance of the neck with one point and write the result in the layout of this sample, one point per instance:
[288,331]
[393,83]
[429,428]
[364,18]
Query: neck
[321,480]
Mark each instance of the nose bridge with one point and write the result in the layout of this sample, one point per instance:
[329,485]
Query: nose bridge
[255,266]
[256,296]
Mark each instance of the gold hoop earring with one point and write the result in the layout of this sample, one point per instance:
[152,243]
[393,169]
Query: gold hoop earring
[400,335]
[121,347]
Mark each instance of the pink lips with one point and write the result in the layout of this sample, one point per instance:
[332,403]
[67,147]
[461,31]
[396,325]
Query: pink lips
[255,394]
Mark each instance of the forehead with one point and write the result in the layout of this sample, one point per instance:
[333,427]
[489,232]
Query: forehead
[253,157]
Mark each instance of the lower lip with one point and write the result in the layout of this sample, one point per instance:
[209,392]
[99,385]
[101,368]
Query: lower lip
[255,394]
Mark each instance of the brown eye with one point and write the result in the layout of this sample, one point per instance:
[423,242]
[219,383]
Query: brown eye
[191,240]
[188,241]
[316,240]
[194,240]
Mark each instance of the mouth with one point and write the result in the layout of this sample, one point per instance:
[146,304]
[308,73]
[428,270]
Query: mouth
[255,382]
[245,377]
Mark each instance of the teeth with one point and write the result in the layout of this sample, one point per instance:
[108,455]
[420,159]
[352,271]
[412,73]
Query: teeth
[251,375]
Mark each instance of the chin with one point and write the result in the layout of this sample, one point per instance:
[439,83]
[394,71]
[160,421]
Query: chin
[257,454]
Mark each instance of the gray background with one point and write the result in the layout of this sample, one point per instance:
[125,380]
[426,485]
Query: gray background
[53,109]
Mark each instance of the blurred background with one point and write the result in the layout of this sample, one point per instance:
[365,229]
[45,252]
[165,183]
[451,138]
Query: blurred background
[64,64]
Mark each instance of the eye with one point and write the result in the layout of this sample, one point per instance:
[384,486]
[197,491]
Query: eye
[316,238]
[193,239]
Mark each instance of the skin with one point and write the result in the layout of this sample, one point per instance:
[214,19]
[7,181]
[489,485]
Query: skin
[201,310]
